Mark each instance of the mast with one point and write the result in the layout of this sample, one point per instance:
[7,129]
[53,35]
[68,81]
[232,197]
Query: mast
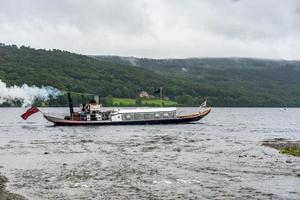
[161,96]
[97,99]
[70,104]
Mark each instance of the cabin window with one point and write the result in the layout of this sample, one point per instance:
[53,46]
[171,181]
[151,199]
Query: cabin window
[149,115]
[166,115]
[157,115]
[127,116]
[171,114]
[139,116]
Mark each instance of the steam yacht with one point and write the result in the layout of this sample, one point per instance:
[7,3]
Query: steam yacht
[93,114]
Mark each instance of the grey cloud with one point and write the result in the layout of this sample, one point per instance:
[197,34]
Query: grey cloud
[89,15]
[156,28]
[298,9]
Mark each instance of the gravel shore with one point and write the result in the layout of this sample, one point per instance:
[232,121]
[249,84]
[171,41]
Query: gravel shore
[280,143]
[5,195]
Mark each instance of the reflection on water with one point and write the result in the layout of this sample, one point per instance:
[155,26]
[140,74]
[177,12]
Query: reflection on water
[218,157]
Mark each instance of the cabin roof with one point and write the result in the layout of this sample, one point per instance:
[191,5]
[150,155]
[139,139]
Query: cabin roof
[146,110]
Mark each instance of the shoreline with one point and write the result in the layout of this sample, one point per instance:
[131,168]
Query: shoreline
[284,146]
[6,195]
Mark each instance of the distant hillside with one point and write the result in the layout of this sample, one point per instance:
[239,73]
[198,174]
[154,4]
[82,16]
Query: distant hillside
[224,82]
[230,81]
[80,73]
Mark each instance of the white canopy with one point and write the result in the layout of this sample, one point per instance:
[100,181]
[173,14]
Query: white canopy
[146,110]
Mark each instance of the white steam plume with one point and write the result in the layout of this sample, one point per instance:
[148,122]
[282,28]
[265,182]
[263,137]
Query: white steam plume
[26,93]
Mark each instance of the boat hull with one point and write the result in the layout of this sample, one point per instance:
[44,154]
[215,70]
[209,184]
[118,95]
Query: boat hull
[178,120]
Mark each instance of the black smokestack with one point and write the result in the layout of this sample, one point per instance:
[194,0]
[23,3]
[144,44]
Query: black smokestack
[70,104]
[96,98]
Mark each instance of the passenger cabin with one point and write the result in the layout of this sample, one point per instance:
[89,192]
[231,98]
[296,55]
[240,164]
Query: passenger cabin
[144,114]
[92,112]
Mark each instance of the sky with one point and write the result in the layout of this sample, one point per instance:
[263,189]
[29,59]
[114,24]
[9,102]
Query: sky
[156,28]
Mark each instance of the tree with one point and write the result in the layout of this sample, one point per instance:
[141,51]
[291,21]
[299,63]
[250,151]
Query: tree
[107,101]
[186,100]
[138,102]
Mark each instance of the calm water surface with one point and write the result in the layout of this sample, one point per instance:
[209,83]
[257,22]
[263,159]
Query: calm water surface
[219,157]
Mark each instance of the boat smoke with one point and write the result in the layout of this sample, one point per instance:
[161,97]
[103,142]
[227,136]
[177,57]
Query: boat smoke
[27,94]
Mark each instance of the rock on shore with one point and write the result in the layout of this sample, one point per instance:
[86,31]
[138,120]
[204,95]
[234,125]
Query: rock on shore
[5,195]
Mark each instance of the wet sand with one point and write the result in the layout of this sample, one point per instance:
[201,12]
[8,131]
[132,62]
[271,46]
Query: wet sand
[4,194]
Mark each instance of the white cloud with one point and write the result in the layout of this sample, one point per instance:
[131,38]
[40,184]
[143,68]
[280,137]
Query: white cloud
[156,28]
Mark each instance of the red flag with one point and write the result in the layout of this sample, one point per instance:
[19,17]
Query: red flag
[29,112]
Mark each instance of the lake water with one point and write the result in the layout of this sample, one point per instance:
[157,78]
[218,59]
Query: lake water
[219,157]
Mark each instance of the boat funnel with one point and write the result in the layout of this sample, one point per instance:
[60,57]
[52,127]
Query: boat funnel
[96,98]
[70,104]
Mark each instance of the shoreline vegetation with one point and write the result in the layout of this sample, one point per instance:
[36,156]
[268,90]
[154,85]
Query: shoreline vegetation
[6,195]
[105,101]
[224,82]
[109,101]
[128,102]
[284,146]
[294,151]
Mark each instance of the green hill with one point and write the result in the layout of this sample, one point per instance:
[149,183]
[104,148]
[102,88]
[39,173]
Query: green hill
[69,71]
[230,81]
[79,73]
[224,82]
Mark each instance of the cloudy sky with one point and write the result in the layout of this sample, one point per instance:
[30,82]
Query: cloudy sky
[156,28]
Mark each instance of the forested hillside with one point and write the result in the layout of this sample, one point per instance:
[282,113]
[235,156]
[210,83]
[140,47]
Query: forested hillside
[224,82]
[230,81]
[83,74]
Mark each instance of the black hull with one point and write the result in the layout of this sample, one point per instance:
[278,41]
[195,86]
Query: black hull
[178,120]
